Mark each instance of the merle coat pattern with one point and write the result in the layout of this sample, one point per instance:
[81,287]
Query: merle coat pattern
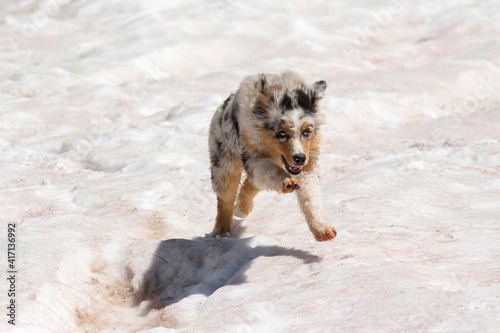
[270,129]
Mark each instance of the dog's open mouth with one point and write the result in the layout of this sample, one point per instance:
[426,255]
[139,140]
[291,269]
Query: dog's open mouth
[293,170]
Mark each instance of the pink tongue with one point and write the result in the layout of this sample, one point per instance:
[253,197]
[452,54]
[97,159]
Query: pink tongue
[295,169]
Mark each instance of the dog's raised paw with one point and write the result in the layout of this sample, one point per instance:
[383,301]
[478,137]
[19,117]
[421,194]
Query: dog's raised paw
[326,235]
[290,185]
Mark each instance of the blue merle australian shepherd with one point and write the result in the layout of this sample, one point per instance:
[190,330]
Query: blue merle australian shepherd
[270,129]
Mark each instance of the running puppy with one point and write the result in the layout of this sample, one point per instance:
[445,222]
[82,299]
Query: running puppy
[269,128]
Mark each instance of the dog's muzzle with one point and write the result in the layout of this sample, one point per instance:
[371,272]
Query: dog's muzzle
[293,170]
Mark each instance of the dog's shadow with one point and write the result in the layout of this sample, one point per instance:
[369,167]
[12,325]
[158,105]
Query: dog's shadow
[181,267]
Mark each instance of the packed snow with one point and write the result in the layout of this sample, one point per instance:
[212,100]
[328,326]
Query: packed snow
[105,169]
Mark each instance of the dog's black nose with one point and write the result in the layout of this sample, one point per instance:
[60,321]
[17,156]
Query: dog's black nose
[299,159]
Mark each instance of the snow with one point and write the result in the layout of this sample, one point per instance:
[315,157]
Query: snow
[105,168]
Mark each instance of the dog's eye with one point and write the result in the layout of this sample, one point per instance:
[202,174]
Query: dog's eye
[281,135]
[306,133]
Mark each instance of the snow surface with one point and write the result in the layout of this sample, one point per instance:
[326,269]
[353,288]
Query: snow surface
[105,107]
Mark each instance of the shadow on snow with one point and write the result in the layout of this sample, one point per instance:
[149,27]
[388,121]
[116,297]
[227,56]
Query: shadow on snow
[181,267]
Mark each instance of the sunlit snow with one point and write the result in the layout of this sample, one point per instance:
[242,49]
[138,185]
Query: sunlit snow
[105,107]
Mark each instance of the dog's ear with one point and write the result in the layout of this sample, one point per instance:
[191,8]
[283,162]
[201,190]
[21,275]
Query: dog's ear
[319,88]
[263,99]
[262,83]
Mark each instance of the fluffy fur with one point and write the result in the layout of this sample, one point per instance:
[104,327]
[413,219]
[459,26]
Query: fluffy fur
[270,129]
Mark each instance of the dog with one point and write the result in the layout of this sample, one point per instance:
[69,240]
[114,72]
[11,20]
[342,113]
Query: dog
[270,129]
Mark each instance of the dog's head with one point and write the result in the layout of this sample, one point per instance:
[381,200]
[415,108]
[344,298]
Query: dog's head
[287,112]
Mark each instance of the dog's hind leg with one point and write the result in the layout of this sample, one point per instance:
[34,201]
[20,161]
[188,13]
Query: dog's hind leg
[311,203]
[226,195]
[245,198]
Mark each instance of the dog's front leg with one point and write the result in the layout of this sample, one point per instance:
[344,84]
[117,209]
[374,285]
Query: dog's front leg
[311,202]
